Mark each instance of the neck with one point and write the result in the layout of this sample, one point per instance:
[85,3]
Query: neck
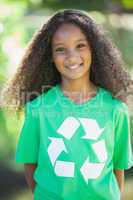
[78,86]
[79,91]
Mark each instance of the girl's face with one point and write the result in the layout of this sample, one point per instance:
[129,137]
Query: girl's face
[71,52]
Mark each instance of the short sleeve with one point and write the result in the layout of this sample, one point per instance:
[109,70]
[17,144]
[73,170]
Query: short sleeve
[123,157]
[28,141]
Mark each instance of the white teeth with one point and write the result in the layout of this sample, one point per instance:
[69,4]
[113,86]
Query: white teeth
[73,66]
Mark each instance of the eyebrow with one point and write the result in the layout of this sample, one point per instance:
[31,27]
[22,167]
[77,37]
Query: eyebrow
[79,40]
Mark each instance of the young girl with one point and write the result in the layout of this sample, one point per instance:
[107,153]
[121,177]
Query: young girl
[75,140]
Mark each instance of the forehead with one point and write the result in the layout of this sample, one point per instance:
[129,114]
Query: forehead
[66,32]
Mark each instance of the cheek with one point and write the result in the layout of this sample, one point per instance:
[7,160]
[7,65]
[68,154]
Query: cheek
[58,59]
[87,56]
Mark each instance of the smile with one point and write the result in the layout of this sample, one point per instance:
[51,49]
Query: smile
[75,66]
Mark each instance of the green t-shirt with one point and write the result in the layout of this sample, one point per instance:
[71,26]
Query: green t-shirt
[76,146]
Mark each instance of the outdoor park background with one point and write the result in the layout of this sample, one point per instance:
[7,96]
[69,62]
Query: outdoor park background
[18,21]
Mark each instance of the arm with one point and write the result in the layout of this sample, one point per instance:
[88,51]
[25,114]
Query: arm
[29,171]
[120,178]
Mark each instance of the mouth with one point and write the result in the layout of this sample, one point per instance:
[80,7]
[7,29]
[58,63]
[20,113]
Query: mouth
[72,67]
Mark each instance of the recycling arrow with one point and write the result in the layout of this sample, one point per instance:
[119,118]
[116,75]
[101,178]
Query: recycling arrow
[91,128]
[91,170]
[64,168]
[100,150]
[55,148]
[68,127]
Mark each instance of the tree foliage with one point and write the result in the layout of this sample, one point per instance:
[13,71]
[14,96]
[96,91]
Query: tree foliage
[99,5]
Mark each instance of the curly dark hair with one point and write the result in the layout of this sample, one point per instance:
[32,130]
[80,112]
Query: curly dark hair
[37,69]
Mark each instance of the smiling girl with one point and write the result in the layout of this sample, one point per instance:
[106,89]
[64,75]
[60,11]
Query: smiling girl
[75,140]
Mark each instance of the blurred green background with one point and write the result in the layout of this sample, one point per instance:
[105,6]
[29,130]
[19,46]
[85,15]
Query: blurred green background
[18,21]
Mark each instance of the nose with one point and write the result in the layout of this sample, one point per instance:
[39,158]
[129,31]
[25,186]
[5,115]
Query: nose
[72,56]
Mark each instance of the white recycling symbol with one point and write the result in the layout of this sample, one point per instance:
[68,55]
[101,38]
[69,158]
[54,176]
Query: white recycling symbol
[68,128]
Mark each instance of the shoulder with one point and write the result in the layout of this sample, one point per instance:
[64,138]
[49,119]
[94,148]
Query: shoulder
[110,100]
[120,108]
[42,100]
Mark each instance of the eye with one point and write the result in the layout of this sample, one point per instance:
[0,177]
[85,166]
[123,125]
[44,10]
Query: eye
[81,45]
[60,49]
